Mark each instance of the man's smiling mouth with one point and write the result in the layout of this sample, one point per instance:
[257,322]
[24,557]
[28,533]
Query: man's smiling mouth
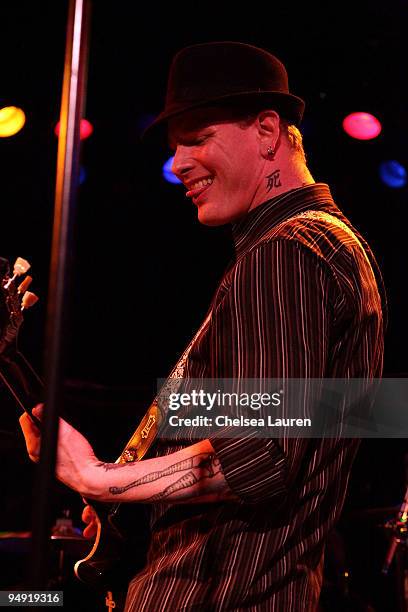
[198,187]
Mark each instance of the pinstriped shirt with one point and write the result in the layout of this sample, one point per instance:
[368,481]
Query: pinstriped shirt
[302,298]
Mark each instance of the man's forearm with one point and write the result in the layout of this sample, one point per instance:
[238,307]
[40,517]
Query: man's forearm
[191,475]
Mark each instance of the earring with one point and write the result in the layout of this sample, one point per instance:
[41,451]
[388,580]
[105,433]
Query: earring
[270,152]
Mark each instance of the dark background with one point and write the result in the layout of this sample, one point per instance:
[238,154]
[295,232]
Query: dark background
[143,268]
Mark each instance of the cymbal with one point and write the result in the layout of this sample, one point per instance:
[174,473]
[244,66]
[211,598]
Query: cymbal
[26,535]
[68,538]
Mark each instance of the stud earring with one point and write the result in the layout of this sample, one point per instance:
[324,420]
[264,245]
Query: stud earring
[270,152]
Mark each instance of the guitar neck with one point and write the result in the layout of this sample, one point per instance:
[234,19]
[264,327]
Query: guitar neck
[21,380]
[27,388]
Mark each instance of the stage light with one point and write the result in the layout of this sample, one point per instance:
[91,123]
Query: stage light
[168,174]
[85,129]
[362,126]
[393,174]
[12,120]
[82,175]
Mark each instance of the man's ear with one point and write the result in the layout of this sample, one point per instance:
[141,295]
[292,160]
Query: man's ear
[268,124]
[268,127]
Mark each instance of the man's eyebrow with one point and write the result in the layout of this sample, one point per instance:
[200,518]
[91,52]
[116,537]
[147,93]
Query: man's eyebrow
[190,134]
[182,139]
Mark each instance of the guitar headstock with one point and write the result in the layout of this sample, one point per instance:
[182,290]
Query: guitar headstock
[14,299]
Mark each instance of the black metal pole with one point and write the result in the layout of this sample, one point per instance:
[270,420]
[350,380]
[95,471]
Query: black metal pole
[72,104]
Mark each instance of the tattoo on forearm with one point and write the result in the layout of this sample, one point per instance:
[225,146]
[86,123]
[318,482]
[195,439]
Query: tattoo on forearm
[113,466]
[273,180]
[206,465]
[186,481]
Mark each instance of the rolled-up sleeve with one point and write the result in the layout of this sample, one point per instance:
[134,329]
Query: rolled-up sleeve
[273,323]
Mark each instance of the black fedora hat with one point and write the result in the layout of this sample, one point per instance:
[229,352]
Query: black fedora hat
[218,73]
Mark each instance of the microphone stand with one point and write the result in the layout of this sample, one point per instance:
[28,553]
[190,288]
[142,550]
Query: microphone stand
[72,104]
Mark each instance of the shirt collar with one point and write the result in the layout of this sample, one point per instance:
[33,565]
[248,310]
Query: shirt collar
[259,220]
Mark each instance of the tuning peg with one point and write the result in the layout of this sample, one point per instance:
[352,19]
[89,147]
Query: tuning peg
[29,299]
[21,266]
[22,288]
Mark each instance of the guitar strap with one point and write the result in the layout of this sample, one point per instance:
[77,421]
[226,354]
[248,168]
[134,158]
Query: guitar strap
[150,425]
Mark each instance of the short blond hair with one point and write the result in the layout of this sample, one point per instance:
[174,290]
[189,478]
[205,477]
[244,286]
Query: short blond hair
[294,138]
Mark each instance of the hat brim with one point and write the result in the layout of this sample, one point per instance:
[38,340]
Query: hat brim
[290,107]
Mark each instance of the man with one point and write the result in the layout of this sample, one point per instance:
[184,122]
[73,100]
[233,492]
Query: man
[240,523]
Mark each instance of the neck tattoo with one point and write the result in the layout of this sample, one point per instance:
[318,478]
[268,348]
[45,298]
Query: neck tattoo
[273,180]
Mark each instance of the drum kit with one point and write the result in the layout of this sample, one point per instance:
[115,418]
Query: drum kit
[67,545]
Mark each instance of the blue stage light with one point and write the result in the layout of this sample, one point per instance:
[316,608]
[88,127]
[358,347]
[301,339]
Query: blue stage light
[393,174]
[82,175]
[168,174]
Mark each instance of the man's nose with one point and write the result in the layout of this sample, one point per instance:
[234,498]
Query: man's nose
[182,162]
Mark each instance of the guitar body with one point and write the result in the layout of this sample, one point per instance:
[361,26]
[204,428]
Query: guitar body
[119,550]
[108,549]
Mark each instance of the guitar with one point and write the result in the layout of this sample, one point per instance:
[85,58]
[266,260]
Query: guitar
[105,565]
[16,373]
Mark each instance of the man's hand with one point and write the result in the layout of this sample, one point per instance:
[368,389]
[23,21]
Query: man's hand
[32,433]
[89,517]
[75,456]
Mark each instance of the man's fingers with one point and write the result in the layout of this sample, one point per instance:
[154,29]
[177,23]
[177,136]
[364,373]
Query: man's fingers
[32,437]
[88,514]
[89,517]
[38,410]
[90,531]
[27,424]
